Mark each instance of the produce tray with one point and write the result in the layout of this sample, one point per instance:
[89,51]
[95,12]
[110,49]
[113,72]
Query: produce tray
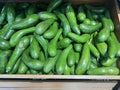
[114,13]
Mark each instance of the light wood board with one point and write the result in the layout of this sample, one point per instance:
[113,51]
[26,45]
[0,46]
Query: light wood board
[72,77]
[56,85]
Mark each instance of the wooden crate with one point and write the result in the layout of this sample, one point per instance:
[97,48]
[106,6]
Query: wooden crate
[77,82]
[112,5]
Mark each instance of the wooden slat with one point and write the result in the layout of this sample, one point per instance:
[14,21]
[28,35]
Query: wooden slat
[115,12]
[117,9]
[20,0]
[72,77]
[73,1]
[88,1]
[58,85]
